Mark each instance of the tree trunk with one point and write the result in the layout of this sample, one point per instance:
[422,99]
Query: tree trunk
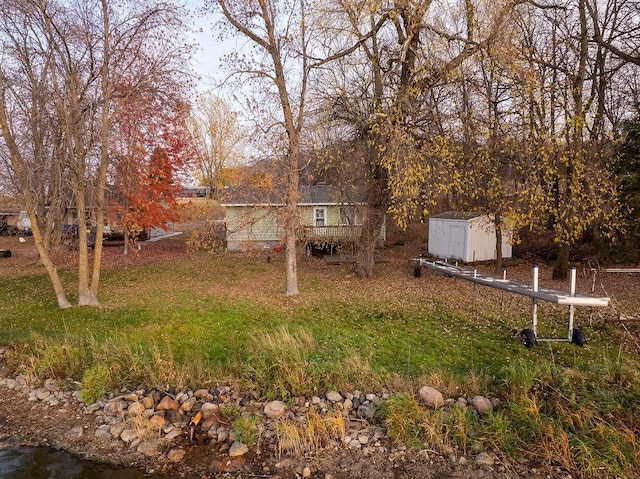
[291,223]
[292,266]
[104,154]
[125,235]
[85,295]
[365,259]
[561,266]
[52,271]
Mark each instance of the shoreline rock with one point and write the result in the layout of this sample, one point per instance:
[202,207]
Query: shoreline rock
[159,428]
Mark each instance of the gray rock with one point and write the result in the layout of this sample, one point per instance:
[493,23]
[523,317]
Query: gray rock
[481,404]
[176,455]
[174,416]
[150,448]
[75,432]
[116,429]
[275,409]
[188,404]
[168,404]
[363,439]
[135,409]
[130,435]
[238,449]
[209,423]
[200,393]
[92,408]
[50,385]
[10,383]
[334,396]
[102,432]
[223,434]
[354,444]
[147,402]
[485,459]
[42,394]
[348,404]
[157,421]
[431,397]
[115,408]
[208,409]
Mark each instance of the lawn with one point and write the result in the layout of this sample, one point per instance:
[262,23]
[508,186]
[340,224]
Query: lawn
[171,316]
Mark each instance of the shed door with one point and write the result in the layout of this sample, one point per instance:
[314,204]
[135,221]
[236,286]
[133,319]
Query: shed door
[457,240]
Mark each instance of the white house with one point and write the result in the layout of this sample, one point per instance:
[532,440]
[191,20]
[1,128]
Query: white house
[466,236]
[327,215]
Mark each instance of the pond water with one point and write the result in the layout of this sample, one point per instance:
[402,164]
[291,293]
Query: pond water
[23,462]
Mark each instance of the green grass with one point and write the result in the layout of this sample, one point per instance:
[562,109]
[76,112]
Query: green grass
[197,321]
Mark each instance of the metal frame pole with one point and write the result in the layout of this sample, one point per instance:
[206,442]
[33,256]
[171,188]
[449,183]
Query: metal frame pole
[534,309]
[475,274]
[572,292]
[504,278]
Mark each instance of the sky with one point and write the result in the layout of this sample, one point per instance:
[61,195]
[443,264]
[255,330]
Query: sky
[209,49]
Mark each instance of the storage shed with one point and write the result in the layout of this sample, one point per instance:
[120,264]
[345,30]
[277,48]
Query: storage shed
[466,236]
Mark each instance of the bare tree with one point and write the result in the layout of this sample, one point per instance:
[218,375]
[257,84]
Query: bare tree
[288,51]
[216,135]
[62,63]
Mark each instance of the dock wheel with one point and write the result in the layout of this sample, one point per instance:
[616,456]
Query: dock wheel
[528,337]
[578,338]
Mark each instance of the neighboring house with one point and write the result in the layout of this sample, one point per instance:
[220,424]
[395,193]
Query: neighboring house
[328,216]
[13,219]
[466,236]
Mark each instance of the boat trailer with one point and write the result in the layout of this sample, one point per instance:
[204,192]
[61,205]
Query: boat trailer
[534,291]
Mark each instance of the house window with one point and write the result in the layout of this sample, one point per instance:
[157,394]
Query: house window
[320,216]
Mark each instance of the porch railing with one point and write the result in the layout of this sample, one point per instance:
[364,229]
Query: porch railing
[331,232]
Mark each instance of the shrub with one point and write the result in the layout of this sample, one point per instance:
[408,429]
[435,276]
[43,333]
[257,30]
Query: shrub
[96,383]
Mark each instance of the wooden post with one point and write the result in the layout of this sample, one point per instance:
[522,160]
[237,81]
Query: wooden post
[572,292]
[534,312]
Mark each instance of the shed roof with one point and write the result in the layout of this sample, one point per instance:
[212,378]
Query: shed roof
[310,195]
[458,215]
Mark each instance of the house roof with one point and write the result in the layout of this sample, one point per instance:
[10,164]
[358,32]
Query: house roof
[310,195]
[458,215]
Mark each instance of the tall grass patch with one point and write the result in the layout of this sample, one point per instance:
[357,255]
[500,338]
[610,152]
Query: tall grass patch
[289,362]
[579,418]
[107,365]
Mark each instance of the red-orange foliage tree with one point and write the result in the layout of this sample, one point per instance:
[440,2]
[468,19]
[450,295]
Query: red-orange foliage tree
[153,149]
